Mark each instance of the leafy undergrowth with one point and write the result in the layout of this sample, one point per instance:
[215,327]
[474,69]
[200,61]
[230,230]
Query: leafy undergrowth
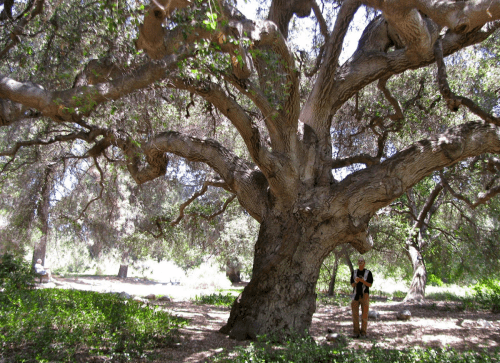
[306,350]
[216,299]
[61,325]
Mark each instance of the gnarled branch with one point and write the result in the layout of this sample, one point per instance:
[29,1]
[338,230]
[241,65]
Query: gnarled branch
[396,174]
[241,177]
[69,104]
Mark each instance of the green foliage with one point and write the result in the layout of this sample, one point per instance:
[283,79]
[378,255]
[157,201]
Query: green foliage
[15,273]
[216,299]
[486,294]
[342,280]
[337,300]
[305,350]
[482,295]
[59,325]
[296,349]
[399,294]
[434,280]
[446,296]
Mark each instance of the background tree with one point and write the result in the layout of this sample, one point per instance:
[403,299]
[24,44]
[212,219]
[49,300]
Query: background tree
[122,108]
[432,224]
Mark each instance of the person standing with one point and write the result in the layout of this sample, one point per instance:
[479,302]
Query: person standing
[361,281]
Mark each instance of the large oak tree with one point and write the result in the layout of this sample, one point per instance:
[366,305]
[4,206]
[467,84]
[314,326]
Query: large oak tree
[294,137]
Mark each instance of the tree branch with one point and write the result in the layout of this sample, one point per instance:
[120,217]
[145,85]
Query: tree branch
[96,163]
[324,31]
[151,31]
[19,27]
[452,100]
[458,16]
[242,178]
[325,85]
[482,198]
[367,66]
[69,104]
[419,223]
[86,136]
[204,216]
[357,159]
[390,179]
[248,130]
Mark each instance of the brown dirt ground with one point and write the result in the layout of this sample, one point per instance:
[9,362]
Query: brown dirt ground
[435,324]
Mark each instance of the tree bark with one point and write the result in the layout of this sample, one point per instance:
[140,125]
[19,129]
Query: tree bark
[419,280]
[40,247]
[281,296]
[416,242]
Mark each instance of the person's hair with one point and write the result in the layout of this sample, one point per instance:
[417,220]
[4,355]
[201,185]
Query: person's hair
[39,260]
[361,259]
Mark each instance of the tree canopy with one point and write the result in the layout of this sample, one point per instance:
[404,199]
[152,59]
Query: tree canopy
[310,147]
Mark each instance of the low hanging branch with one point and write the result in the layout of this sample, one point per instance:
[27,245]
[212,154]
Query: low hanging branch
[482,198]
[86,136]
[101,184]
[199,193]
[183,206]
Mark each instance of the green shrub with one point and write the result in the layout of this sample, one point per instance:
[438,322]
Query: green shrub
[445,296]
[296,349]
[59,325]
[486,294]
[433,280]
[399,294]
[305,350]
[216,299]
[337,300]
[15,273]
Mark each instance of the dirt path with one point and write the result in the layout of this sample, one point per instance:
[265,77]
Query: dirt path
[433,324]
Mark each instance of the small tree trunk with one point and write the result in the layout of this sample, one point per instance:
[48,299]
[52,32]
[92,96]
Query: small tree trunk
[233,270]
[347,258]
[419,280]
[122,273]
[331,286]
[40,247]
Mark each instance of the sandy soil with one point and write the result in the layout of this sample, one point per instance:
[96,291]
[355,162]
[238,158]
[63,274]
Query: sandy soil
[434,324]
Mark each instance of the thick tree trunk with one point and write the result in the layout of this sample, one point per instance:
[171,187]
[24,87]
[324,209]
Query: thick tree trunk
[419,280]
[281,296]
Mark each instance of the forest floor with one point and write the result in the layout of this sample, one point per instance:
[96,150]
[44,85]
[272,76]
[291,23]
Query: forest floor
[433,323]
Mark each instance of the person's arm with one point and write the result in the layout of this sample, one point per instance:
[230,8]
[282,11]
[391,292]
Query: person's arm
[366,283]
[354,280]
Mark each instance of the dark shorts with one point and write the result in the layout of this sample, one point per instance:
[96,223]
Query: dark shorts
[43,273]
